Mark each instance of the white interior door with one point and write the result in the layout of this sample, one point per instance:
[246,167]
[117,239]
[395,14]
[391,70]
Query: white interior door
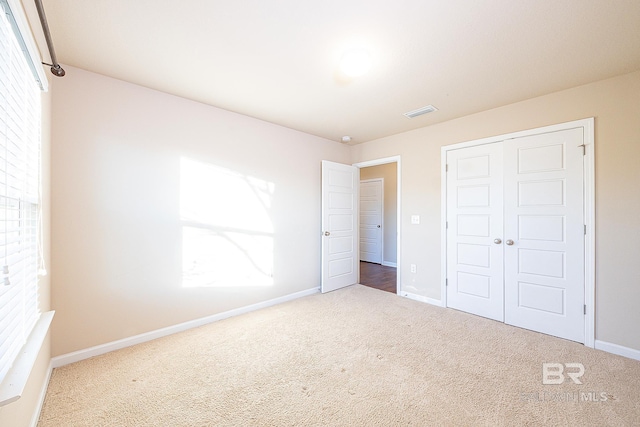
[474,222]
[371,215]
[339,225]
[544,233]
[516,234]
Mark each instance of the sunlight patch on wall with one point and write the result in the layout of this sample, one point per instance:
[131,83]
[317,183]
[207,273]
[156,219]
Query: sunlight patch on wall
[227,232]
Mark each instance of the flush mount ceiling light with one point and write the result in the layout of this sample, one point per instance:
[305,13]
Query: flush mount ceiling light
[346,139]
[420,111]
[355,62]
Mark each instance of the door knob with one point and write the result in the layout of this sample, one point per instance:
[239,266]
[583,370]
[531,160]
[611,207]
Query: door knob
[509,242]
[378,226]
[326,233]
[497,241]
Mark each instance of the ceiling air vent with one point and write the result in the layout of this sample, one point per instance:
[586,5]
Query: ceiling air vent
[420,111]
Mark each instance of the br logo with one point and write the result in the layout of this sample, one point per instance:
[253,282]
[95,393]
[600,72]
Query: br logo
[554,373]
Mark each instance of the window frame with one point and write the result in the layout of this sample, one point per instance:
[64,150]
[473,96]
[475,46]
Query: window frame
[23,150]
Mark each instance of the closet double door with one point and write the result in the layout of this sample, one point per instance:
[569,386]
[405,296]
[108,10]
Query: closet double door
[515,232]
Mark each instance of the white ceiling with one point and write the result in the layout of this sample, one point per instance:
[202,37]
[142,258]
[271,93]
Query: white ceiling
[277,60]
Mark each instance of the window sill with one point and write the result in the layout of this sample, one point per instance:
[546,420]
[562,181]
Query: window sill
[15,381]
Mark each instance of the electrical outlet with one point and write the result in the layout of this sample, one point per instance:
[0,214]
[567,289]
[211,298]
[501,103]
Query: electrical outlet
[414,269]
[415,219]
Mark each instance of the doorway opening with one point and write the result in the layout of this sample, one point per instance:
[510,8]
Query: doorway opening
[379,224]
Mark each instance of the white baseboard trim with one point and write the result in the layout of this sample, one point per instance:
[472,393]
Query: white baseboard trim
[79,355]
[43,394]
[389,264]
[631,353]
[420,298]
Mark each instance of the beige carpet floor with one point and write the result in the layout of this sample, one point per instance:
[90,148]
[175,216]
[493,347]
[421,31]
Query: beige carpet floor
[353,357]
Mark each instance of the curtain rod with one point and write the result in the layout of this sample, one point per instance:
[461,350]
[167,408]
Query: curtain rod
[56,69]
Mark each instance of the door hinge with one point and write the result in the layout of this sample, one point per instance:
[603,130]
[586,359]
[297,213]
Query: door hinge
[585,229]
[446,168]
[447,226]
[446,282]
[584,149]
[585,309]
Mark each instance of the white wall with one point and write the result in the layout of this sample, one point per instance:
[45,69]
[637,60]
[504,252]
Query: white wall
[120,155]
[615,104]
[116,184]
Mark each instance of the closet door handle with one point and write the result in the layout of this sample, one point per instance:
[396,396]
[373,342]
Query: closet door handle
[509,242]
[497,241]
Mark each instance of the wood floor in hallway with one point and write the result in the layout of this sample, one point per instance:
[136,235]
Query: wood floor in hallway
[378,276]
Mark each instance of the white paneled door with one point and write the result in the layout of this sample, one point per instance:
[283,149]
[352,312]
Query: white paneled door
[515,232]
[544,232]
[474,216]
[339,225]
[371,220]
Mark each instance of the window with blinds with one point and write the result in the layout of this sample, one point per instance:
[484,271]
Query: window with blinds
[19,195]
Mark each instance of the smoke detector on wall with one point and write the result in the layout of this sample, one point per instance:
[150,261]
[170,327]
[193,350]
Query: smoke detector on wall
[420,111]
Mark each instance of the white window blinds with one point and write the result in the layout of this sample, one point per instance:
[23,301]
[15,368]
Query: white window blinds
[19,196]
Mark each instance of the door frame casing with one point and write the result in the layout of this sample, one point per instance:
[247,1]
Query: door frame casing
[588,178]
[384,161]
[381,180]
